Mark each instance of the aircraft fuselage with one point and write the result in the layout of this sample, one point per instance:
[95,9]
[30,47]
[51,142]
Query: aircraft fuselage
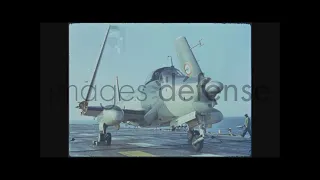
[170,97]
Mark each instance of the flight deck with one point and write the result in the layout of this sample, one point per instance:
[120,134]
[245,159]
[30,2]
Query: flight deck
[140,142]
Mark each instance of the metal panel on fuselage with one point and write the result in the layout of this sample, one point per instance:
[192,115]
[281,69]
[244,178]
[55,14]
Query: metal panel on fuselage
[178,95]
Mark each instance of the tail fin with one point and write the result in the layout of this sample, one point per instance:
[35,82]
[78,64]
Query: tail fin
[188,62]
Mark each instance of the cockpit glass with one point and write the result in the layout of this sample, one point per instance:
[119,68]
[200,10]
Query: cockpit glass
[171,71]
[149,77]
[165,71]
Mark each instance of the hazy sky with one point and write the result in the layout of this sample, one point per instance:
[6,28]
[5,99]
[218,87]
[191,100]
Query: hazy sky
[225,56]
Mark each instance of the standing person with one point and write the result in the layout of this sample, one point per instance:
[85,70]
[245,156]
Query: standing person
[247,125]
[230,133]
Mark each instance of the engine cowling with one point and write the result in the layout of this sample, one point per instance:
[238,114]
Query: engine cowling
[111,115]
[212,88]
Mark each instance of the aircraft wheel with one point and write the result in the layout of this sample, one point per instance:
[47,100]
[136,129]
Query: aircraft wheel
[197,147]
[108,139]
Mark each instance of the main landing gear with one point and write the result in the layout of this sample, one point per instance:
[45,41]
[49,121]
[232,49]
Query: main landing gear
[104,138]
[195,137]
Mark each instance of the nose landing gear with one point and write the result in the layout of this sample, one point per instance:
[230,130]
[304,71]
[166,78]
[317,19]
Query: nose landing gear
[104,138]
[195,139]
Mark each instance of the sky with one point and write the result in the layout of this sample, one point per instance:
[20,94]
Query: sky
[225,56]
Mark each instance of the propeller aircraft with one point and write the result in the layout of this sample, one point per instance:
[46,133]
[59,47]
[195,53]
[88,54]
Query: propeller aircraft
[169,98]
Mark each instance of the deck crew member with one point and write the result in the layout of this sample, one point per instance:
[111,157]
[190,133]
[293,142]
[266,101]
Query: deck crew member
[247,125]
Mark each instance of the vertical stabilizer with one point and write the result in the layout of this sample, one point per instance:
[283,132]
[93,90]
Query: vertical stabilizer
[188,62]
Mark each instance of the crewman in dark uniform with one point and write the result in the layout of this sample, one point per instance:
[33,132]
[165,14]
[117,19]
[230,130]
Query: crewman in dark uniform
[247,125]
[230,133]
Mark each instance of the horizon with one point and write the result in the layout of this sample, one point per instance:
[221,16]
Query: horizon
[96,121]
[224,125]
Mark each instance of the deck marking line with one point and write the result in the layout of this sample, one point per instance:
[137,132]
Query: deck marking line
[142,144]
[119,138]
[136,154]
[206,155]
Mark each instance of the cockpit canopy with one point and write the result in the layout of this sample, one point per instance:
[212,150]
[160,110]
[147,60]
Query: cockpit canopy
[157,74]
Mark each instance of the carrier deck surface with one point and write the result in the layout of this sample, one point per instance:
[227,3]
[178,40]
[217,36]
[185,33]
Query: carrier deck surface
[139,142]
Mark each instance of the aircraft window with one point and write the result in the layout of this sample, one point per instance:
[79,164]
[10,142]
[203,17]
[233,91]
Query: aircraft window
[149,78]
[171,71]
[153,76]
[157,75]
[178,73]
[161,79]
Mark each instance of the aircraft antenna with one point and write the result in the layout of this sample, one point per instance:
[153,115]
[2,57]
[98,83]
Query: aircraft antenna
[171,61]
[118,89]
[199,44]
